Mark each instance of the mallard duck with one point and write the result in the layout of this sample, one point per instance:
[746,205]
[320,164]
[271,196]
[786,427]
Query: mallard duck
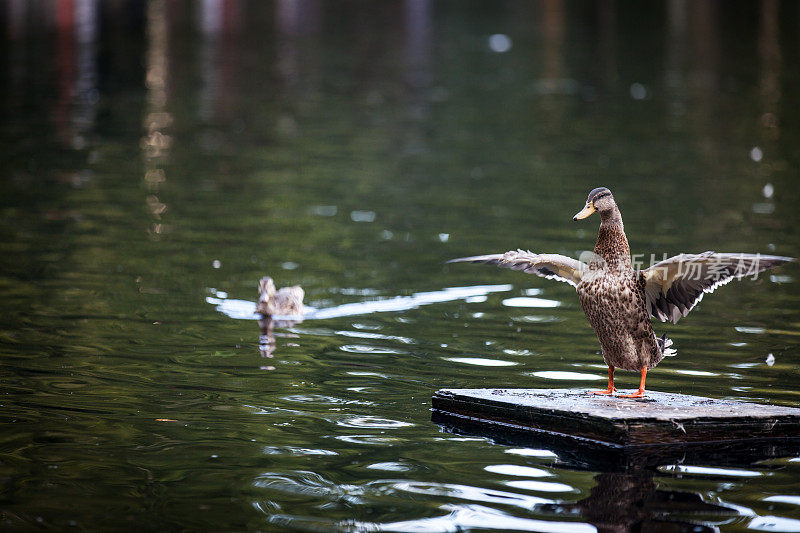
[618,300]
[286,302]
[281,308]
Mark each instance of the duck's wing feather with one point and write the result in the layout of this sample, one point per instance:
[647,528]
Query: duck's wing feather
[288,301]
[550,266]
[674,286]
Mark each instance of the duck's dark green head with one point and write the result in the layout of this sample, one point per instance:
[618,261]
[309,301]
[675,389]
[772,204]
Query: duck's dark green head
[600,199]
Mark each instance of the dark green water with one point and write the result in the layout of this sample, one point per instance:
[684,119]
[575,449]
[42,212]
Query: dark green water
[156,154]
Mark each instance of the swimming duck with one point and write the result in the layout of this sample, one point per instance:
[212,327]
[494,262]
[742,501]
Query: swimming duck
[281,308]
[286,302]
[618,300]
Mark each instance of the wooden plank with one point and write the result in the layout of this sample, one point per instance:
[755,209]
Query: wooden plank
[659,419]
[584,454]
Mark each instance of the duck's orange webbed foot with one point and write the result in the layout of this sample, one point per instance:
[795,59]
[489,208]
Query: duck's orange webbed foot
[639,393]
[611,389]
[607,391]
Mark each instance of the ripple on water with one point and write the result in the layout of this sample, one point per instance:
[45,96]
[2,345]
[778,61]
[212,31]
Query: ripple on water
[365,348]
[309,483]
[317,332]
[295,451]
[473,516]
[370,440]
[361,389]
[469,492]
[404,303]
[390,466]
[367,374]
[372,422]
[370,335]
[322,399]
[274,411]
[509,351]
[537,319]
[479,361]
[367,326]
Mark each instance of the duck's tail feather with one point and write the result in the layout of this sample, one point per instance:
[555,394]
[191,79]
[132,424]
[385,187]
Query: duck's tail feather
[664,345]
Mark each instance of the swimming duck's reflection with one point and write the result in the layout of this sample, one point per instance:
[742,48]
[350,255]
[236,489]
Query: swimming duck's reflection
[266,340]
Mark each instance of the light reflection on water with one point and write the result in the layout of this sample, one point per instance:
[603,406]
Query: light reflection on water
[480,361]
[530,452]
[517,470]
[524,301]
[154,149]
[708,471]
[539,486]
[567,376]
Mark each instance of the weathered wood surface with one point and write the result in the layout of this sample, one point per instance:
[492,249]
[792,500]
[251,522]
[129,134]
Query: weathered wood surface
[657,420]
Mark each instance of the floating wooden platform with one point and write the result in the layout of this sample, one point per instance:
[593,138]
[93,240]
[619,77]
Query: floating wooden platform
[658,420]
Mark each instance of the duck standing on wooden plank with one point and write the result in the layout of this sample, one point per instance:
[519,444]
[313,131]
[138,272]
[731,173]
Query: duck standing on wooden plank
[618,300]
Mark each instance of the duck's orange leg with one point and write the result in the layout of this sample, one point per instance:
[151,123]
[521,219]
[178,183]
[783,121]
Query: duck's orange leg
[639,393]
[610,389]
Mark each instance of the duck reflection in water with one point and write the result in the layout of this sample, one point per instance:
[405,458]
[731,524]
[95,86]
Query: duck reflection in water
[631,501]
[632,490]
[282,307]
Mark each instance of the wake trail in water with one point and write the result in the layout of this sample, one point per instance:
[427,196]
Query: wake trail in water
[246,310]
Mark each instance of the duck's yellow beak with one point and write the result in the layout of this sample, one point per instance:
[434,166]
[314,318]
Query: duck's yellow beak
[585,212]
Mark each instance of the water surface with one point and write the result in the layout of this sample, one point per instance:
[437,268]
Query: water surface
[159,158]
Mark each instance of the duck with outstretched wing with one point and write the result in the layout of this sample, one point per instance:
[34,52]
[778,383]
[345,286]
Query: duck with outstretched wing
[619,300]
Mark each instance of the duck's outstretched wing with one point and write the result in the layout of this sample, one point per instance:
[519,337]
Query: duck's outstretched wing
[674,286]
[550,266]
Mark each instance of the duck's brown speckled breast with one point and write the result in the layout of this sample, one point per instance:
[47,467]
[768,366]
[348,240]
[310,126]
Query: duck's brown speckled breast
[614,303]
